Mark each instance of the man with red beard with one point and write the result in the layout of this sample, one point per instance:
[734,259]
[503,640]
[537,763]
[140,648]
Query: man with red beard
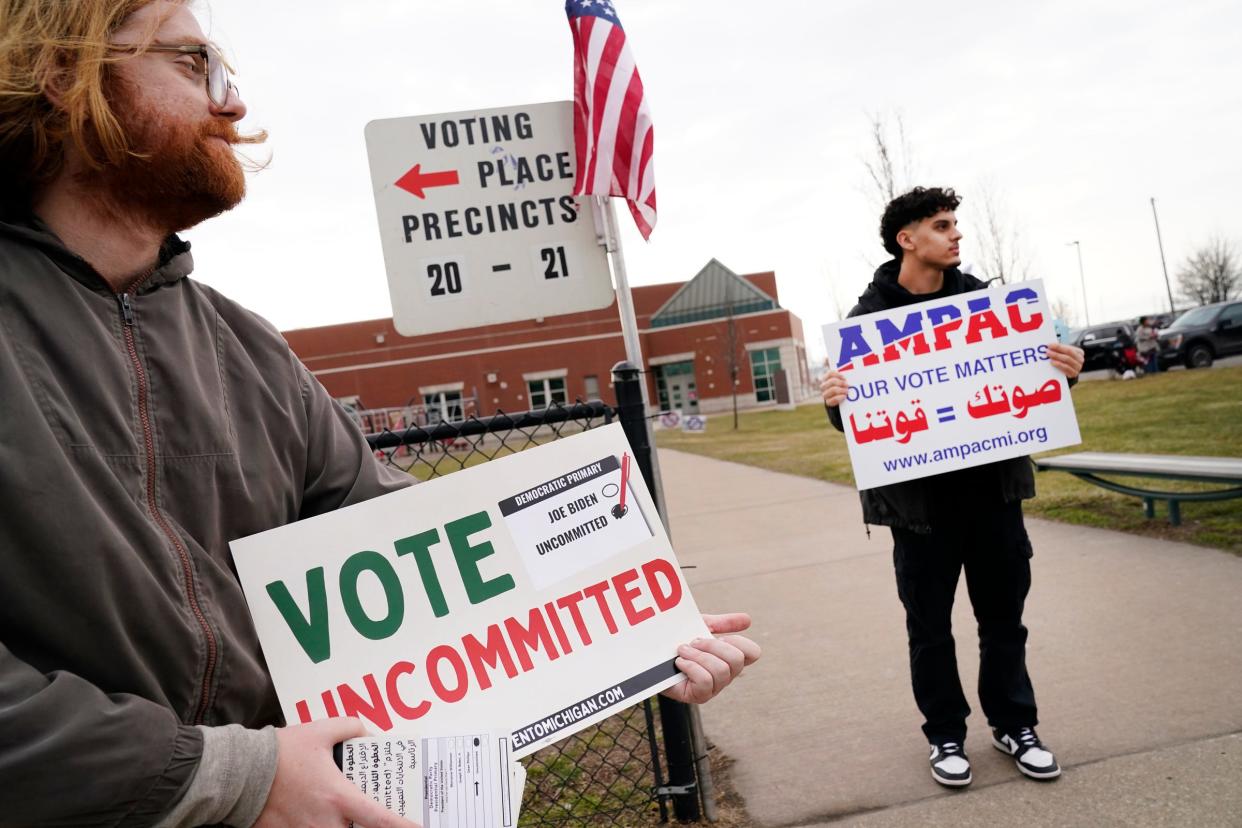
[146,421]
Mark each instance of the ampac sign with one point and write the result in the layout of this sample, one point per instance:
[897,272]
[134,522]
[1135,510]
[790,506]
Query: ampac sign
[476,218]
[950,383]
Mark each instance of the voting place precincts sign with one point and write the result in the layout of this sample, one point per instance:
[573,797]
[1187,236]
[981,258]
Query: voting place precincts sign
[476,218]
[950,383]
[531,596]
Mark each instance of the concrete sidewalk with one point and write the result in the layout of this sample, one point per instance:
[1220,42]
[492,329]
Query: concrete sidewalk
[1134,651]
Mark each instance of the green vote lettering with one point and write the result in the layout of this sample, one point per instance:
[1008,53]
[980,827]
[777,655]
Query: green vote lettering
[420,547]
[311,627]
[311,631]
[368,561]
[468,557]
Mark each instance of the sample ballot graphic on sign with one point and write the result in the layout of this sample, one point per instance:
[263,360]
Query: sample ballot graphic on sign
[477,220]
[574,521]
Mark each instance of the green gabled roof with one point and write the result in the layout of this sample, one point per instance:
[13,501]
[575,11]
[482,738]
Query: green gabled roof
[713,293]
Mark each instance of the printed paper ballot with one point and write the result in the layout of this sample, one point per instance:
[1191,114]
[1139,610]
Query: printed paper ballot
[469,781]
[530,596]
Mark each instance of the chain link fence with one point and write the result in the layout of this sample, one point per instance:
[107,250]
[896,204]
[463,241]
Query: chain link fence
[608,774]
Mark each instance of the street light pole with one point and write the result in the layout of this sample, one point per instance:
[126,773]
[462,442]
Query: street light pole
[1163,265]
[1086,312]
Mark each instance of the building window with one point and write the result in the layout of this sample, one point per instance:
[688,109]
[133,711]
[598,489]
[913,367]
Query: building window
[764,363]
[443,407]
[711,312]
[545,392]
[590,387]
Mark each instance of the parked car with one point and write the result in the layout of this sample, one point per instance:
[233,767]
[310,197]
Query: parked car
[1101,343]
[1201,335]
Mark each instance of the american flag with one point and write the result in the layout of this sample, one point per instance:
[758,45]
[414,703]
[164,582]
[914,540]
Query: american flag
[612,123]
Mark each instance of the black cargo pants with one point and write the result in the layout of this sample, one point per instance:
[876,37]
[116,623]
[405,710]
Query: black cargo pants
[991,544]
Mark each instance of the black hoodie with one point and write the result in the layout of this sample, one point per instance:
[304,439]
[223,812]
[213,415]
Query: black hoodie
[910,504]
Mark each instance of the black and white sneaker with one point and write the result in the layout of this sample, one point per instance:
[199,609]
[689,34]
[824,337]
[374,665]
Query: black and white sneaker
[1030,755]
[949,765]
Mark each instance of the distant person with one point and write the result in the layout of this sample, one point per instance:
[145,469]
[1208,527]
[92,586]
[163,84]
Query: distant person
[1148,345]
[966,519]
[1124,354]
[148,421]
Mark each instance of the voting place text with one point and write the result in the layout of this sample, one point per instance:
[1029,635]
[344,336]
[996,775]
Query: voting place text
[950,383]
[419,612]
[477,220]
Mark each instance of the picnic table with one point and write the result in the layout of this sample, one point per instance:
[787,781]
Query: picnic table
[1088,465]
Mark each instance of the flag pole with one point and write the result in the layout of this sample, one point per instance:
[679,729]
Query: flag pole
[634,354]
[625,300]
[629,333]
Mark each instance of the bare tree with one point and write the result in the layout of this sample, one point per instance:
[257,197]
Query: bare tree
[832,294]
[1002,255]
[1064,311]
[734,366]
[1213,273]
[891,168]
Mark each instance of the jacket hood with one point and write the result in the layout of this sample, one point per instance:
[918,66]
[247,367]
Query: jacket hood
[174,264]
[885,292]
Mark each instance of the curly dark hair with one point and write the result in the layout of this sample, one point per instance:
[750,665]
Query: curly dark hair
[916,205]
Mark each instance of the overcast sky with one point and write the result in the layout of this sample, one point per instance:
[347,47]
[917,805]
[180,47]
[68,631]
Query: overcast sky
[1075,112]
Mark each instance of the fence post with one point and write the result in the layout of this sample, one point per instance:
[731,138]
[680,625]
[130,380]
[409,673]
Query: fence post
[674,716]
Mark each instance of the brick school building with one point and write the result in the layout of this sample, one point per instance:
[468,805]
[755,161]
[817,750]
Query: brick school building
[696,337]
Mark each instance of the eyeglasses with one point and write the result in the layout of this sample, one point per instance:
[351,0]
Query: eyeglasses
[208,63]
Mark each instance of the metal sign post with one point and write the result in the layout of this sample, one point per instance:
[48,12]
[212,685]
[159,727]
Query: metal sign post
[685,744]
[629,332]
[1163,265]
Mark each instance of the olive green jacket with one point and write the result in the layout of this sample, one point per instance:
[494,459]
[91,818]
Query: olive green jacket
[140,433]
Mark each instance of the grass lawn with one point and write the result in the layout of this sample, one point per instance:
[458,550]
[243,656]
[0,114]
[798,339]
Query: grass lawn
[1182,412]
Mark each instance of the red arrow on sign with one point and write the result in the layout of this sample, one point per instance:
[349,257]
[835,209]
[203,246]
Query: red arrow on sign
[416,180]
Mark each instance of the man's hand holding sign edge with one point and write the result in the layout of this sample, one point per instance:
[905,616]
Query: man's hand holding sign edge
[308,790]
[1067,359]
[710,664]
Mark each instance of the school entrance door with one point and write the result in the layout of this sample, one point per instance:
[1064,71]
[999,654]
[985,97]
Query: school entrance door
[675,382]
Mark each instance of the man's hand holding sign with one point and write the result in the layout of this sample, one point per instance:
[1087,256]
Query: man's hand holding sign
[309,791]
[710,664]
